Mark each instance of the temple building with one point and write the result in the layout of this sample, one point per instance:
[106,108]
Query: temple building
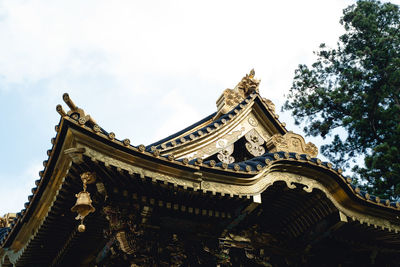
[234,189]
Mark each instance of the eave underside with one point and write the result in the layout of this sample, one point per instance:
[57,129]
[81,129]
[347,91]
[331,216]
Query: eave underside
[289,224]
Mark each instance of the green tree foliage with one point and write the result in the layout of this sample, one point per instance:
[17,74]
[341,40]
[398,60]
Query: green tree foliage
[353,93]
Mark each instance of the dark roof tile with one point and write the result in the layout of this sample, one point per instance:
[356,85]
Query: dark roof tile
[3,233]
[214,124]
[158,143]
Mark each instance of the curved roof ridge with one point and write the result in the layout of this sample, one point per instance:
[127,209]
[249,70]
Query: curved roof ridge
[172,136]
[214,124]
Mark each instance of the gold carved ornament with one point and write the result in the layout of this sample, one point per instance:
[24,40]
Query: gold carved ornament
[213,147]
[291,142]
[225,155]
[248,84]
[2,222]
[83,205]
[76,113]
[254,143]
[232,97]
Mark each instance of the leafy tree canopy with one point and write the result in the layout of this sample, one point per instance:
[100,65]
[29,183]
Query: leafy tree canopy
[356,88]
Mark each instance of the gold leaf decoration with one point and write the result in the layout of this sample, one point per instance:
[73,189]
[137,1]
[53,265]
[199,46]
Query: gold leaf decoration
[291,142]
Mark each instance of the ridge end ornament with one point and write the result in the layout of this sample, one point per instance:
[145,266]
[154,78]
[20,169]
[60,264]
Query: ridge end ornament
[232,97]
[75,112]
[248,84]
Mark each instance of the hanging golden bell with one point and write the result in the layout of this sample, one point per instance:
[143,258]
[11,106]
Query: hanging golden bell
[83,205]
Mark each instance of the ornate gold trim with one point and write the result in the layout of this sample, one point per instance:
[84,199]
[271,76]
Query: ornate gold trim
[291,179]
[225,155]
[291,142]
[7,219]
[254,143]
[230,98]
[141,171]
[223,142]
[261,182]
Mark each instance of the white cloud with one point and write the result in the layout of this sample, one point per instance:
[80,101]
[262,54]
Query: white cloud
[180,115]
[217,40]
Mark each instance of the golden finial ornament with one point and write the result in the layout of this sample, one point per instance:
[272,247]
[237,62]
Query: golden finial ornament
[252,74]
[75,112]
[232,97]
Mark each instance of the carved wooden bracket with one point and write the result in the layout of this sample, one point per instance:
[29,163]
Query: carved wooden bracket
[126,228]
[76,154]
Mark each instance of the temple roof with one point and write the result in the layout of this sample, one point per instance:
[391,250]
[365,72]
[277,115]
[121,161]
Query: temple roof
[3,232]
[282,160]
[211,123]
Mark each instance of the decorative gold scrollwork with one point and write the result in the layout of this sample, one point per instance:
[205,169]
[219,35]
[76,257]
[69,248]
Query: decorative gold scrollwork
[225,155]
[248,84]
[252,121]
[7,220]
[311,149]
[254,143]
[213,147]
[291,142]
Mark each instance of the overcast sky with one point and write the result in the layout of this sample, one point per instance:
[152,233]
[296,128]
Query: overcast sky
[142,69]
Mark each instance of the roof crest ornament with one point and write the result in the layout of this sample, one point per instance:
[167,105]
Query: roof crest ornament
[248,84]
[7,220]
[230,98]
[75,112]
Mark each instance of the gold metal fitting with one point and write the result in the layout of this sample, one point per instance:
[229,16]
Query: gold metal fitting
[83,205]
